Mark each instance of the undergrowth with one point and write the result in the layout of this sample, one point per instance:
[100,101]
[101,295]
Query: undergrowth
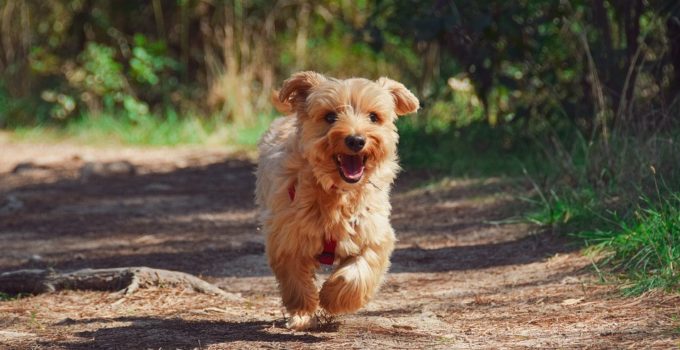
[645,247]
[147,130]
[474,150]
[626,211]
[604,194]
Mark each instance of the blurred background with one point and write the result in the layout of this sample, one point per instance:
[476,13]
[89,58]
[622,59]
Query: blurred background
[594,66]
[578,97]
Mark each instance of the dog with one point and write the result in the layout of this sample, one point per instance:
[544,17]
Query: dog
[323,181]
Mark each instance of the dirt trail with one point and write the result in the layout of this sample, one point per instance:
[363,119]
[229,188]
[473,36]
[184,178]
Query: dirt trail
[462,276]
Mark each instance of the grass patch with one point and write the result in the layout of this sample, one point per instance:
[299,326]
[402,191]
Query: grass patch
[145,130]
[569,210]
[474,150]
[607,196]
[645,247]
[249,135]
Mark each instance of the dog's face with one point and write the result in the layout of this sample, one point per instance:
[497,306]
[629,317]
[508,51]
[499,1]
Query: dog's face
[347,127]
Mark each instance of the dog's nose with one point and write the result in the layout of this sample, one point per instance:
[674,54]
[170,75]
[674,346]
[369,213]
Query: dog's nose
[355,142]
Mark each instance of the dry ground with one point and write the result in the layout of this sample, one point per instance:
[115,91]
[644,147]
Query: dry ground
[462,275]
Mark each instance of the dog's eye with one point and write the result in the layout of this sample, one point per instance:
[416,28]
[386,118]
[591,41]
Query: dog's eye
[373,116]
[330,117]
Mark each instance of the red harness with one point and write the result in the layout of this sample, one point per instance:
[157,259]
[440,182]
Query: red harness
[328,255]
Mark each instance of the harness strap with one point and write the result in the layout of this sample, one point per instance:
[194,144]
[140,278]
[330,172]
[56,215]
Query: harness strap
[327,257]
[291,192]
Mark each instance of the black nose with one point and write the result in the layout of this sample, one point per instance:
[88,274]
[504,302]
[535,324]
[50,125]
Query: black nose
[355,143]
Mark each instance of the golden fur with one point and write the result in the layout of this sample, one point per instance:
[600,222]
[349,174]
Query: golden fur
[300,150]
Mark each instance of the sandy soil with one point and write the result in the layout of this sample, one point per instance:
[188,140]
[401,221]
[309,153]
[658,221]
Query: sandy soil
[464,275]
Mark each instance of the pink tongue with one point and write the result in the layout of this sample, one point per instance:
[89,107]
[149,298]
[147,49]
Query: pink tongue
[352,165]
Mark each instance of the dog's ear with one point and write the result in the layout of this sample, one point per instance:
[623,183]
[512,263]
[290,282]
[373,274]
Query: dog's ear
[295,89]
[404,101]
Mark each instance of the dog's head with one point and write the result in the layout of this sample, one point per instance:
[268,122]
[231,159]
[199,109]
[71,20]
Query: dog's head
[347,127]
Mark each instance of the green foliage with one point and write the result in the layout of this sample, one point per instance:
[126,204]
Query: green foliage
[596,65]
[97,81]
[612,201]
[567,210]
[150,130]
[475,150]
[99,73]
[548,61]
[646,247]
[149,60]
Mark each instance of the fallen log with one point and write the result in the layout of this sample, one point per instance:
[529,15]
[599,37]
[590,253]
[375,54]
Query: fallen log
[123,280]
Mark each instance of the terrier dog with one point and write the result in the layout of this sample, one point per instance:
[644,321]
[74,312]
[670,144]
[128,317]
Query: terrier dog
[323,182]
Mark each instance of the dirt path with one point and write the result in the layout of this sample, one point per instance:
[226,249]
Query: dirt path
[462,275]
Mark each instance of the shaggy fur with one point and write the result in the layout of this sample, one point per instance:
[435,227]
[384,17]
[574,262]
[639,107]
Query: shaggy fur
[308,151]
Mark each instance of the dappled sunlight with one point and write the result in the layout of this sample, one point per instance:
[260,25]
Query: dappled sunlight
[460,268]
[536,201]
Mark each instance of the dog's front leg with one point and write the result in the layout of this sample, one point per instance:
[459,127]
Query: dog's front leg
[356,279]
[298,291]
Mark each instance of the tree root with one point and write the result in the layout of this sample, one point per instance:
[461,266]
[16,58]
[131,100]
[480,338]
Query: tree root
[124,280]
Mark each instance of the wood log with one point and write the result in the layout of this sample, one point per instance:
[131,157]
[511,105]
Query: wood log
[124,280]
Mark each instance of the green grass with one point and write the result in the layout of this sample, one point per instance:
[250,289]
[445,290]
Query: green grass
[645,247]
[566,209]
[475,150]
[595,192]
[171,130]
[597,196]
[639,249]
[614,205]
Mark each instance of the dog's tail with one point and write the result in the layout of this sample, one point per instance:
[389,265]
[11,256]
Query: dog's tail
[282,106]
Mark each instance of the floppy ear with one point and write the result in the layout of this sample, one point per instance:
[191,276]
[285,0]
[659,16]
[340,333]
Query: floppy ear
[404,101]
[295,89]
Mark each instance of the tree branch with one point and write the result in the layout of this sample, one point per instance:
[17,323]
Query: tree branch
[124,280]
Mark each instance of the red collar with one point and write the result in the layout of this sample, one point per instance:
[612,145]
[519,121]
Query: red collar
[327,256]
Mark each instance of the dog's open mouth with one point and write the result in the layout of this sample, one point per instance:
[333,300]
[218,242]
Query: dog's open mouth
[350,166]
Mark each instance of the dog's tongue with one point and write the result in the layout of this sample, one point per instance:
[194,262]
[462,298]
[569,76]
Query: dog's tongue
[352,166]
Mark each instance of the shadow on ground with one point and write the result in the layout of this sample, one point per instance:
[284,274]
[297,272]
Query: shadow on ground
[157,333]
[525,250]
[201,220]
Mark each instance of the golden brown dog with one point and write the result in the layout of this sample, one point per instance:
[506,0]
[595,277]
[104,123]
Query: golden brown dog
[323,183]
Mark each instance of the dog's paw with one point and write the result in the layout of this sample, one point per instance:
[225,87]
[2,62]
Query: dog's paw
[302,322]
